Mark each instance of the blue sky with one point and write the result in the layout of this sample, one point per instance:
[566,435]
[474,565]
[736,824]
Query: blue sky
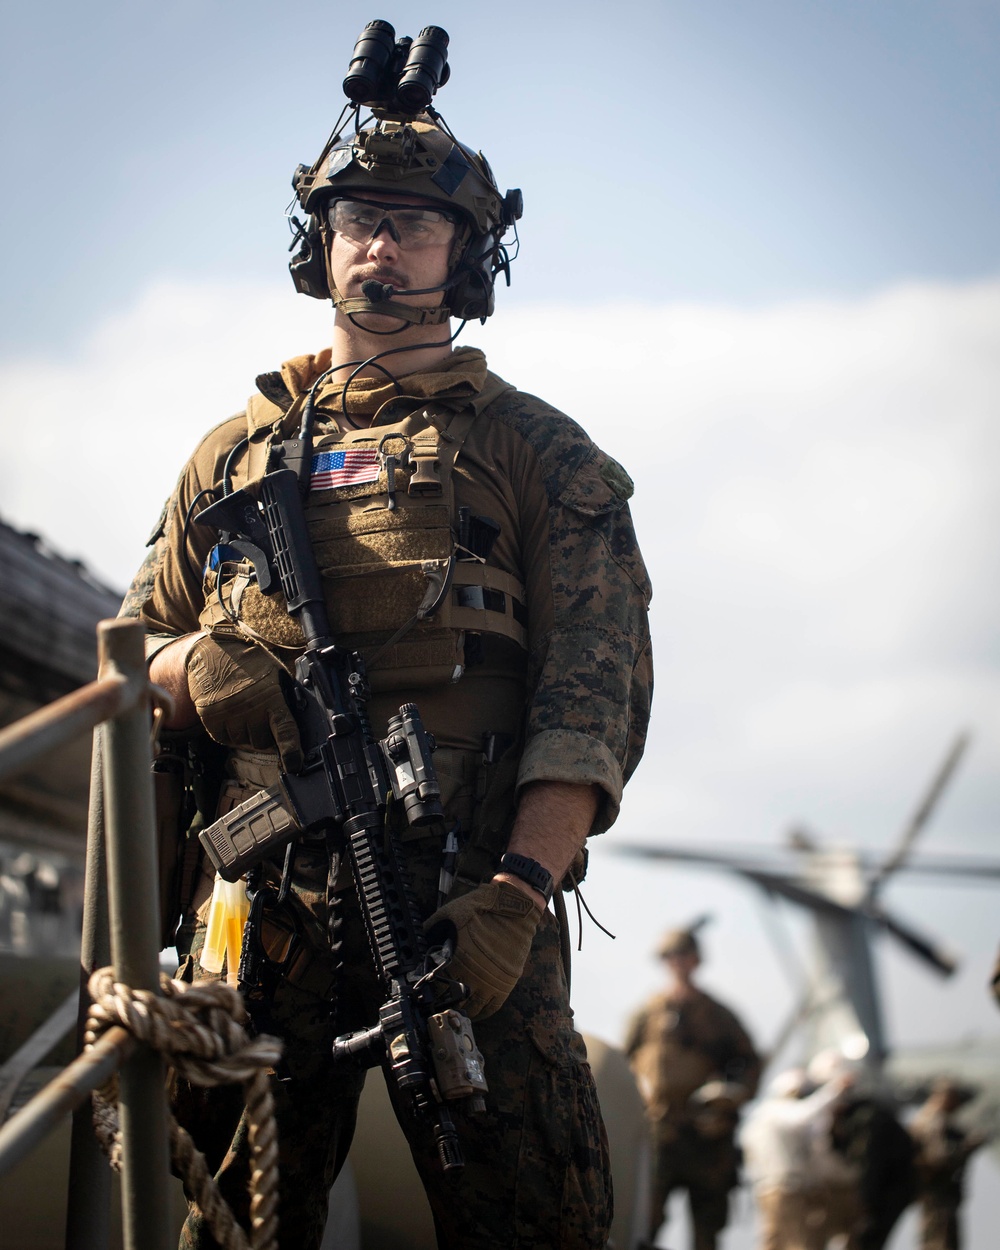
[760,263]
[717,150]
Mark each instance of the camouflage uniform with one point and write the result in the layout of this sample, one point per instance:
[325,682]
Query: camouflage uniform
[574,703]
[943,1152]
[676,1046]
[867,1134]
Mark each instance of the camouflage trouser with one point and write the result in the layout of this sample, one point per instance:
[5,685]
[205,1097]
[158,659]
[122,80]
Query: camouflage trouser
[536,1172]
[707,1169]
[798,1220]
[939,1224]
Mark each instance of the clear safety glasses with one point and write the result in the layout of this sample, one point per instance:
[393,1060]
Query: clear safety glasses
[410,227]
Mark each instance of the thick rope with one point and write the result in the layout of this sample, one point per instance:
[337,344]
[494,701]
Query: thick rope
[199,1029]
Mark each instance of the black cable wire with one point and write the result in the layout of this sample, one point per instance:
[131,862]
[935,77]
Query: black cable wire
[228,466]
[581,900]
[390,351]
[185,532]
[308,411]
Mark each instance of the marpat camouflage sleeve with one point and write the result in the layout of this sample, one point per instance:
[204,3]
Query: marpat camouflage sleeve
[590,667]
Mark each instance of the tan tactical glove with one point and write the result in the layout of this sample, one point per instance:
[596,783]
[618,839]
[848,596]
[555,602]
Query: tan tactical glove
[493,926]
[238,693]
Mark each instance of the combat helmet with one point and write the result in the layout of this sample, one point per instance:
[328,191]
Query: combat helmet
[678,942]
[682,940]
[404,147]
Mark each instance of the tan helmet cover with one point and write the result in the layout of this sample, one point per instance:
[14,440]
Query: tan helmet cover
[678,942]
[415,157]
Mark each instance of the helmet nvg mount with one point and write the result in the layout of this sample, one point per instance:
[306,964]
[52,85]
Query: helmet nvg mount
[405,148]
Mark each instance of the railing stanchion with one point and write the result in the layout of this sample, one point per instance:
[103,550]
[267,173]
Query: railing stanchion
[133,896]
[88,1200]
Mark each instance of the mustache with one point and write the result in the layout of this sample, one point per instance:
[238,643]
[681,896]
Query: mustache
[387,276]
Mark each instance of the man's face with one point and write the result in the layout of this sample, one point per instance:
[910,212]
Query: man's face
[406,246]
[682,964]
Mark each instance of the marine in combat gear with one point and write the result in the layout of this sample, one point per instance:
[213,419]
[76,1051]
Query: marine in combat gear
[944,1148]
[696,1066]
[477,548]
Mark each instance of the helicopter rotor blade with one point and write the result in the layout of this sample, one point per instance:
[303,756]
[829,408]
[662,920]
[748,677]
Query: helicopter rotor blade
[722,857]
[921,815]
[795,892]
[918,944]
[775,882]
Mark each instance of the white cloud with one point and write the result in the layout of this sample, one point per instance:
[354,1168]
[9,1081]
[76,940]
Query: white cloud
[815,496]
[96,439]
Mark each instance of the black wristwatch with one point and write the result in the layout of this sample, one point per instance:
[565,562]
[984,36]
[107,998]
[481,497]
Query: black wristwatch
[529,870]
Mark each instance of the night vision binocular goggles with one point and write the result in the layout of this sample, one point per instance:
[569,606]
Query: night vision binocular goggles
[401,75]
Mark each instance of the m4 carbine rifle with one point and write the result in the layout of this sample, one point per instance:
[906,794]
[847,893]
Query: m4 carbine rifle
[422,1040]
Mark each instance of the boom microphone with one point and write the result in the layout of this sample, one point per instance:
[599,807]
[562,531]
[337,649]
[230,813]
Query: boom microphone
[377,292]
[380,292]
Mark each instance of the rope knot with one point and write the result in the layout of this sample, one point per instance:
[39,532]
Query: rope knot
[200,1029]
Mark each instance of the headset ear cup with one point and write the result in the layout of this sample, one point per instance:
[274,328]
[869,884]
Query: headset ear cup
[308,265]
[471,298]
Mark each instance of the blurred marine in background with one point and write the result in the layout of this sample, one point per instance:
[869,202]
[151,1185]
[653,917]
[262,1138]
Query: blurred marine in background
[696,1066]
[944,1147]
[803,1191]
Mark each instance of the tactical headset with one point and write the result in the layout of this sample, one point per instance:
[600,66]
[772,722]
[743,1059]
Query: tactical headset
[407,149]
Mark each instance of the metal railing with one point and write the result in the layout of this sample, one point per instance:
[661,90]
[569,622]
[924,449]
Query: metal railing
[122,904]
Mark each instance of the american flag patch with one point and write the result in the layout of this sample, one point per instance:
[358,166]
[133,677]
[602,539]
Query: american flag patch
[351,467]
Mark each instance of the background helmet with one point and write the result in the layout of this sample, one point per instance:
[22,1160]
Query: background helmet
[416,156]
[678,942]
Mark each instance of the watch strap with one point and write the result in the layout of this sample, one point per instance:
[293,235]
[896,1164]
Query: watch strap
[529,871]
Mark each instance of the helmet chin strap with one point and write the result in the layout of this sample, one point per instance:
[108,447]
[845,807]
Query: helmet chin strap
[406,313]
